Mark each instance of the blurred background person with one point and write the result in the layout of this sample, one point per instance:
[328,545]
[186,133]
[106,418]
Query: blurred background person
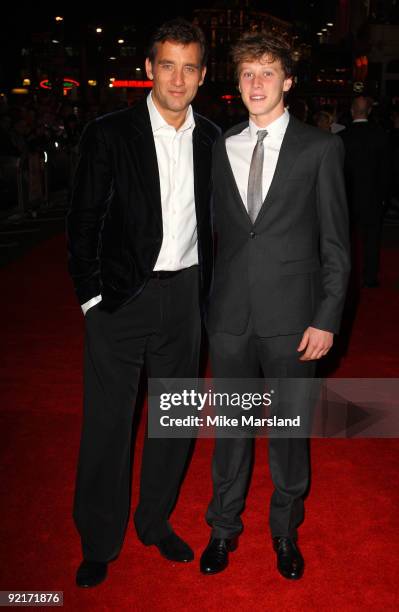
[335,127]
[298,108]
[394,152]
[367,171]
[322,120]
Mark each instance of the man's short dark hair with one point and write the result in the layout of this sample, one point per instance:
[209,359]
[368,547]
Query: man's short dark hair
[181,31]
[254,45]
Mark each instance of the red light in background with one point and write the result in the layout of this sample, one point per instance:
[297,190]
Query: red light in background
[132,84]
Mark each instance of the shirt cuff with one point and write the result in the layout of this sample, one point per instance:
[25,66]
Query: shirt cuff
[90,303]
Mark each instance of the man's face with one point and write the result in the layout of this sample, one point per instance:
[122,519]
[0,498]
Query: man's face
[262,84]
[176,73]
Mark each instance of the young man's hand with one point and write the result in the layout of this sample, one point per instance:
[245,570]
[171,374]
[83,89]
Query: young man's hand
[317,343]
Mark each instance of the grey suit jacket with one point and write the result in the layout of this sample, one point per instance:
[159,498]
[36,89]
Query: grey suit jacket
[290,268]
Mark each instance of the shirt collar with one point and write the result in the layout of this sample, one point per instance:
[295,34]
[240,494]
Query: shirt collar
[275,129]
[158,122]
[360,121]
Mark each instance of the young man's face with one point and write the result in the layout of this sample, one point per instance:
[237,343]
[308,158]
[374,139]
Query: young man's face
[262,84]
[176,73]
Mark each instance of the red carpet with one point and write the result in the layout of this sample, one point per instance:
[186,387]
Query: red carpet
[350,537]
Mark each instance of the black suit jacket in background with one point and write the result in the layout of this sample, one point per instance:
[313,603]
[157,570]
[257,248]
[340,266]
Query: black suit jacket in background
[367,170]
[290,268]
[114,226]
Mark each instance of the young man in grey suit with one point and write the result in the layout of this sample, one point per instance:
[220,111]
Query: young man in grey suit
[141,258]
[281,272]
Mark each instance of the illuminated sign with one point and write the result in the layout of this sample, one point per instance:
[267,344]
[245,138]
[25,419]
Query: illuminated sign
[131,84]
[67,84]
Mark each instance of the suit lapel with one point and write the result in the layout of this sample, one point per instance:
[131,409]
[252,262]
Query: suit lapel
[289,151]
[226,162]
[202,157]
[140,134]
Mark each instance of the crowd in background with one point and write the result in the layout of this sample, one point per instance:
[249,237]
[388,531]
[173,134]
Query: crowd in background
[40,136]
[42,139]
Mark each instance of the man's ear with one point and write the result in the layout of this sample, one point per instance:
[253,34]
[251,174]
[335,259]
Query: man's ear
[203,73]
[148,68]
[287,84]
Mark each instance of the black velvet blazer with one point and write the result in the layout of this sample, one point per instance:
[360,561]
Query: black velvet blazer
[114,225]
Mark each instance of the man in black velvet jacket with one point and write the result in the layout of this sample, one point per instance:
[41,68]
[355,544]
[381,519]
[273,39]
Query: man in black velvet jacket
[140,255]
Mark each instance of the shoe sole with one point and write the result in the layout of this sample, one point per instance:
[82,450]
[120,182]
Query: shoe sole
[214,572]
[174,560]
[290,577]
[177,560]
[89,586]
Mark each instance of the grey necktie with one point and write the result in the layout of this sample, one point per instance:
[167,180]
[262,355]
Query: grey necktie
[254,195]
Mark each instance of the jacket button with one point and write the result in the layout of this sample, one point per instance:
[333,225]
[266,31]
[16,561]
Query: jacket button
[252,234]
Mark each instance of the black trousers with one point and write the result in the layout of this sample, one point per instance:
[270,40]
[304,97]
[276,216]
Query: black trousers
[371,239]
[248,356]
[160,328]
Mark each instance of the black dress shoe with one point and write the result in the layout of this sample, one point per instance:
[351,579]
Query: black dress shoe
[290,562]
[174,548]
[91,573]
[215,557]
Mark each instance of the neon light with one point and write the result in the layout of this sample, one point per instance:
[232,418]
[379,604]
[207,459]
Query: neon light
[67,84]
[132,84]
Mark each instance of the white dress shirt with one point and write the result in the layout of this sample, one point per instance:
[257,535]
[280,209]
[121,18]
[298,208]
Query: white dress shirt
[176,174]
[174,149]
[240,148]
